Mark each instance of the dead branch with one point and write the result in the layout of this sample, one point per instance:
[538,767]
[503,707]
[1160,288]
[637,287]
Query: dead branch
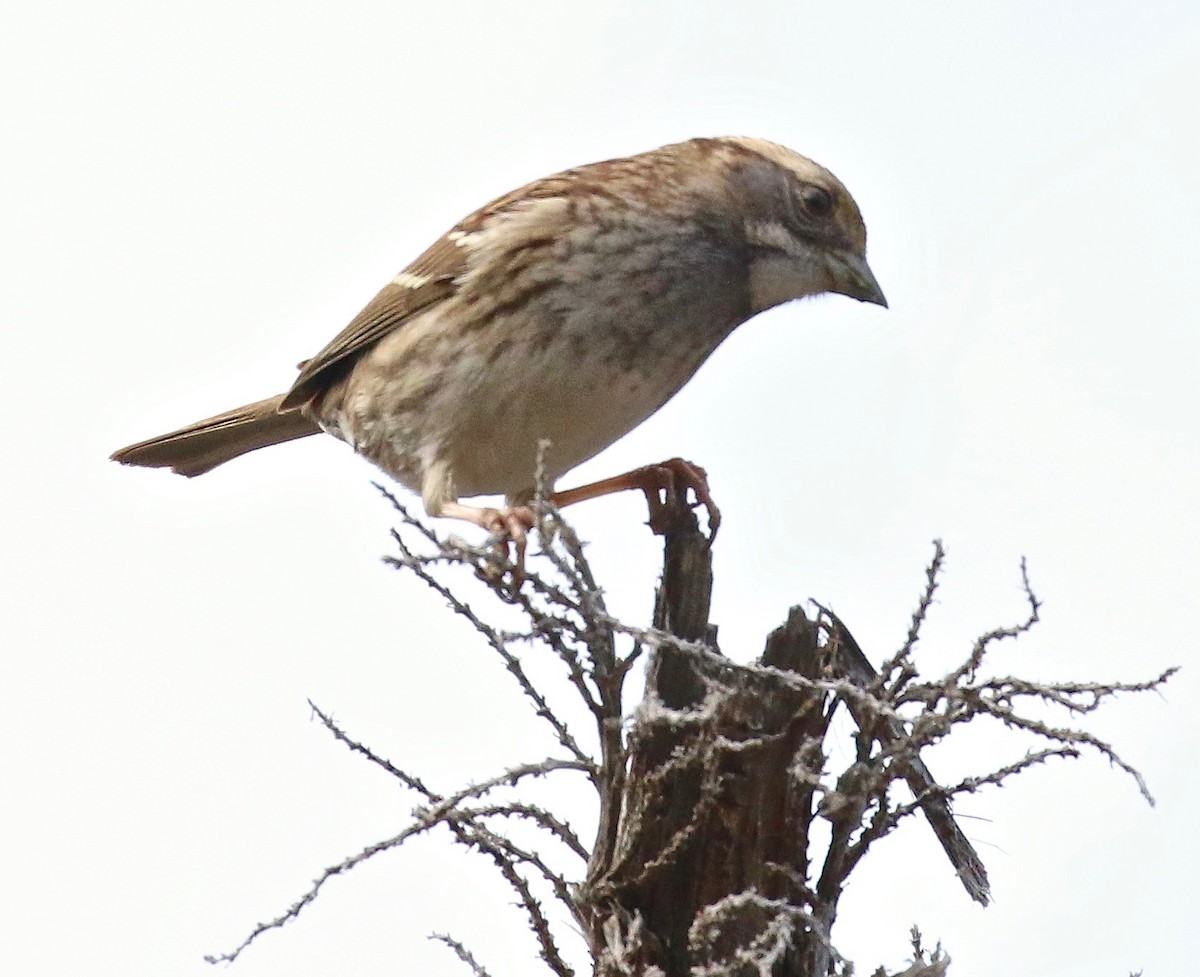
[705,862]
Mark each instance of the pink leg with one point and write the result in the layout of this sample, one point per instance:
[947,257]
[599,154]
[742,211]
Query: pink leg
[665,485]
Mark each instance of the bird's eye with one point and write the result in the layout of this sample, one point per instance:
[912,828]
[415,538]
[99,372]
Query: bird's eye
[817,201]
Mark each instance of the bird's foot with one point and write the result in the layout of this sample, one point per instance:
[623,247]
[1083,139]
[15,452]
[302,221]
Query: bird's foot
[510,534]
[665,486]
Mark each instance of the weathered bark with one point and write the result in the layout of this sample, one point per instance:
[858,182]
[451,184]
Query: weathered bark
[710,856]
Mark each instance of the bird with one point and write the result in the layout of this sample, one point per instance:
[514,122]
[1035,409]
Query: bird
[552,321]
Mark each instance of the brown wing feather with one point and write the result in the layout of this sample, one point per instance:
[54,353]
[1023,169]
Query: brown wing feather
[440,266]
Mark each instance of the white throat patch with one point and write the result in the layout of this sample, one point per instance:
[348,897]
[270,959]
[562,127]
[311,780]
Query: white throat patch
[789,270]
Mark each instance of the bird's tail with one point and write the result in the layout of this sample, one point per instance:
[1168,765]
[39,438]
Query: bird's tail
[200,447]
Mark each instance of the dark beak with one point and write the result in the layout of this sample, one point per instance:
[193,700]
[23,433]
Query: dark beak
[853,276]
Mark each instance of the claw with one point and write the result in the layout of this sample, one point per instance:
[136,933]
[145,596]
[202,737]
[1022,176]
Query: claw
[674,478]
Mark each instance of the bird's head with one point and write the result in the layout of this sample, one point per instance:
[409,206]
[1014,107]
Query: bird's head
[803,230]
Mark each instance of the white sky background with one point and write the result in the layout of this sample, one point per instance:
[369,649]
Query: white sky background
[195,197]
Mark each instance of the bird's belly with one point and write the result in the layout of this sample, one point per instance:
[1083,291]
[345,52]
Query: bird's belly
[455,414]
[577,416]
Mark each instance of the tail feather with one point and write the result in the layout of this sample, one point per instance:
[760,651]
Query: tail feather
[200,447]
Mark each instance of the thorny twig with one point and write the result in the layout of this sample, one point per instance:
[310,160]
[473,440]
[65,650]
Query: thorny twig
[897,713]
[462,953]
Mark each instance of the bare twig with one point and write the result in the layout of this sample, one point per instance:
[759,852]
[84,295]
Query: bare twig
[462,953]
[703,862]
